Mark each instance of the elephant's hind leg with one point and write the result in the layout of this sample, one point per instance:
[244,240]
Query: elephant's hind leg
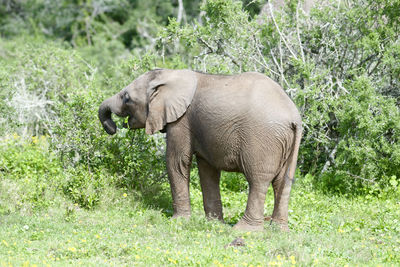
[253,218]
[209,180]
[282,185]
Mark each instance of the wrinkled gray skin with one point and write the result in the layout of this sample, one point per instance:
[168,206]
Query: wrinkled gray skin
[242,123]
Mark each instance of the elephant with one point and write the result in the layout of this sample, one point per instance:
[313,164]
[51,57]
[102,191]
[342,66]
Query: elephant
[237,123]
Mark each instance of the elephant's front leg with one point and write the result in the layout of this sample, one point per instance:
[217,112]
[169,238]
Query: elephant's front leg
[209,180]
[179,159]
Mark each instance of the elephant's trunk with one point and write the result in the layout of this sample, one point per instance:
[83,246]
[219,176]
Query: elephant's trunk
[105,117]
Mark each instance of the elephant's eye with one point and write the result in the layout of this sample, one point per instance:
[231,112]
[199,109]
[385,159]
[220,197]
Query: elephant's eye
[126,98]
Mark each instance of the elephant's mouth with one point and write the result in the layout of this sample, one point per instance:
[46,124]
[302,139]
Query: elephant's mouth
[131,123]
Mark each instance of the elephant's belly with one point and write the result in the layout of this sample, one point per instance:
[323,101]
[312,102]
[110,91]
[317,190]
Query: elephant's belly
[258,150]
[223,156]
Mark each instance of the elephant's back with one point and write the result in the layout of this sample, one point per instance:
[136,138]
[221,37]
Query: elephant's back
[244,96]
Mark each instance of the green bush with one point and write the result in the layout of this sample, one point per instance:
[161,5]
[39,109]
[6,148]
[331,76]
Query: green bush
[235,182]
[83,186]
[37,75]
[59,96]
[29,173]
[359,147]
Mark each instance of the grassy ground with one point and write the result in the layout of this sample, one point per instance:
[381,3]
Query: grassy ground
[126,230]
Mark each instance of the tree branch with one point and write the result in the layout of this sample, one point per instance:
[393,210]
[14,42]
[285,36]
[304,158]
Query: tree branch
[280,33]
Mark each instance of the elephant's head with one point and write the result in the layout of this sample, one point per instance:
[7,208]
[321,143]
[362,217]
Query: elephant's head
[151,101]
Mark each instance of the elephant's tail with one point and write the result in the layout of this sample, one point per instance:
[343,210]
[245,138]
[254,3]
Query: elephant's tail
[292,160]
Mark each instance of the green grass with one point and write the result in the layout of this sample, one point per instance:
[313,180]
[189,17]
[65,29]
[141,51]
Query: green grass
[127,229]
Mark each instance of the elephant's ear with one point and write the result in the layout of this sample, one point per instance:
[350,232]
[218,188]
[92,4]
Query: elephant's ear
[169,95]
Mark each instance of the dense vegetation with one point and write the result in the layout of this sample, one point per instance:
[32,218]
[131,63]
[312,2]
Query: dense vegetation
[59,59]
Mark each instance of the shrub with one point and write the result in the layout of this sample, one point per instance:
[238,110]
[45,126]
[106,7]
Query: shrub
[29,172]
[59,97]
[83,186]
[36,77]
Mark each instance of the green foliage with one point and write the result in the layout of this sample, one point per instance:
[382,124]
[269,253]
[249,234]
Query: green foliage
[28,174]
[38,77]
[235,182]
[55,92]
[222,43]
[83,186]
[23,158]
[357,145]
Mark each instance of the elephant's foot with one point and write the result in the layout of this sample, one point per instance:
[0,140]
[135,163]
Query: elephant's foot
[215,214]
[215,218]
[242,225]
[182,208]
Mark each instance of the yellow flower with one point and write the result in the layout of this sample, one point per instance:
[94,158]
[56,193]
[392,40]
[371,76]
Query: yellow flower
[172,260]
[72,249]
[5,243]
[35,139]
[137,257]
[83,240]
[124,195]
